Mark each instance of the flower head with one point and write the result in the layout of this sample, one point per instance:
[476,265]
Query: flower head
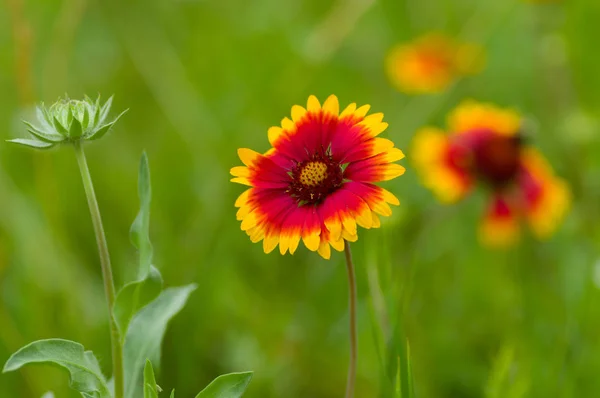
[316,182]
[485,147]
[69,120]
[430,63]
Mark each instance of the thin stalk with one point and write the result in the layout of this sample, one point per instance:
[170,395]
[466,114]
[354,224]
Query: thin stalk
[109,285]
[352,310]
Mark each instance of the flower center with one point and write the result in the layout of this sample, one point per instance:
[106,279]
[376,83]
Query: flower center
[497,160]
[313,174]
[314,179]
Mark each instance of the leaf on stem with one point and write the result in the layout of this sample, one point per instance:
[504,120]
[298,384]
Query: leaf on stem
[232,385]
[86,376]
[140,229]
[150,390]
[146,332]
[133,297]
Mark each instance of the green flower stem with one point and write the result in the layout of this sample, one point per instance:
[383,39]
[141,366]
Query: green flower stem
[352,309]
[109,285]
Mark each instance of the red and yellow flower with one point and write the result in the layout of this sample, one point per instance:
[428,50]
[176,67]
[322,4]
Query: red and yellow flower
[316,182]
[430,63]
[485,146]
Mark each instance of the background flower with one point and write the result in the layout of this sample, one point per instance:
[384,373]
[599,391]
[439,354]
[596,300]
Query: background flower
[485,146]
[431,63]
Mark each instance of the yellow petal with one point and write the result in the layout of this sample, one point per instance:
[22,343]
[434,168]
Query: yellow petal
[274,133]
[324,250]
[243,198]
[242,180]
[349,224]
[284,243]
[250,221]
[348,237]
[257,234]
[376,221]
[248,156]
[331,105]
[392,171]
[349,111]
[240,171]
[298,113]
[363,217]
[392,155]
[381,145]
[362,111]
[334,226]
[390,198]
[338,244]
[270,242]
[311,241]
[288,125]
[294,241]
[313,104]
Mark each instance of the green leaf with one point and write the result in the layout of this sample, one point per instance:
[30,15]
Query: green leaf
[59,127]
[42,116]
[32,143]
[173,394]
[49,394]
[140,229]
[101,132]
[76,129]
[134,296]
[105,109]
[86,376]
[149,381]
[145,334]
[41,134]
[231,385]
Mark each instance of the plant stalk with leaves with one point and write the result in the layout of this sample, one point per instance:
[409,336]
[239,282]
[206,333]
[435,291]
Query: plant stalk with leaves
[140,311]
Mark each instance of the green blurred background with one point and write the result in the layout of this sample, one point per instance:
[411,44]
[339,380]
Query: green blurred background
[202,78]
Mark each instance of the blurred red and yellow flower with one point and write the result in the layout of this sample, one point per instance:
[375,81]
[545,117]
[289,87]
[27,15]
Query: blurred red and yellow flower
[432,62]
[316,182]
[485,147]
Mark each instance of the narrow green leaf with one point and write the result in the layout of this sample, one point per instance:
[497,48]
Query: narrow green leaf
[42,117]
[76,129]
[86,116]
[105,109]
[134,296]
[101,132]
[86,376]
[42,135]
[232,385]
[140,229]
[173,394]
[149,381]
[32,143]
[145,334]
[59,127]
[97,109]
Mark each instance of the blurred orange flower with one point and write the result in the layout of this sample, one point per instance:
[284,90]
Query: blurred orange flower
[485,147]
[432,62]
[316,183]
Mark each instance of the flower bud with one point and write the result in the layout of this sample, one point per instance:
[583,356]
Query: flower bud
[67,121]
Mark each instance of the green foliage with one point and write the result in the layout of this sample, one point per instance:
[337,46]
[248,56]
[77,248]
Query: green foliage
[86,376]
[145,334]
[140,229]
[230,385]
[150,387]
[133,297]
